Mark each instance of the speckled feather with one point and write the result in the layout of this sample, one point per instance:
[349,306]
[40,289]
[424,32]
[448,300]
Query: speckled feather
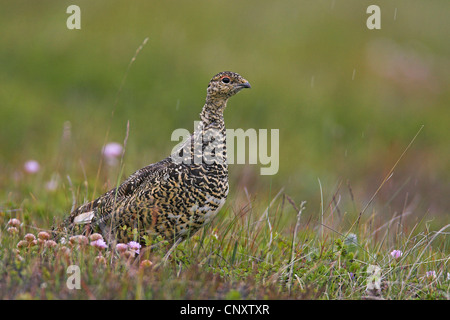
[173,199]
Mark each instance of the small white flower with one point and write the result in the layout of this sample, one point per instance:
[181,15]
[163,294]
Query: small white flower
[351,240]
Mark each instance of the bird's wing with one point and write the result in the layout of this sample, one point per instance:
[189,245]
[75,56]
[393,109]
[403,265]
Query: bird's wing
[149,205]
[104,204]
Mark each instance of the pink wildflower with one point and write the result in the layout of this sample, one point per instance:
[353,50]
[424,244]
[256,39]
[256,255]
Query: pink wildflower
[145,264]
[121,247]
[99,244]
[12,230]
[14,222]
[22,244]
[31,166]
[396,254]
[100,261]
[134,246]
[95,236]
[29,237]
[43,235]
[78,239]
[50,244]
[112,150]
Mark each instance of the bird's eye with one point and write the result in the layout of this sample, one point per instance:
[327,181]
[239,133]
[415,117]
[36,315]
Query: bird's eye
[226,80]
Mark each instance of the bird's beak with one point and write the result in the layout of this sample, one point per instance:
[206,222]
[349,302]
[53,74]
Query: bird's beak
[244,85]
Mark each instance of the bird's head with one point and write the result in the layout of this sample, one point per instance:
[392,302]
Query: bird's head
[224,85]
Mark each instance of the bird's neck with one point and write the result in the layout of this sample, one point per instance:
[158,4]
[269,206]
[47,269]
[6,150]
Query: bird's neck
[207,145]
[212,113]
[210,135]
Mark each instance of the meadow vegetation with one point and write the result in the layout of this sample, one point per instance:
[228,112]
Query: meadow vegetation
[361,195]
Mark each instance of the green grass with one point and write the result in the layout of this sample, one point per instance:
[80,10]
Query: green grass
[347,102]
[249,252]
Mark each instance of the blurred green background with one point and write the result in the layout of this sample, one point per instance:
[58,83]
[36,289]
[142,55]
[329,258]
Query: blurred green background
[347,100]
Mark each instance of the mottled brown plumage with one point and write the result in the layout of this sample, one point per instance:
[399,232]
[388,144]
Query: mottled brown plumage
[172,198]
